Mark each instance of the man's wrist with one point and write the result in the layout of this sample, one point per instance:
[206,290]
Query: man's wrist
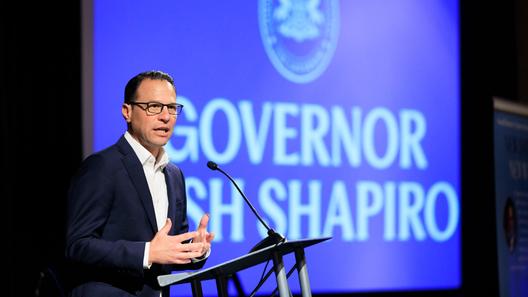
[146,262]
[202,257]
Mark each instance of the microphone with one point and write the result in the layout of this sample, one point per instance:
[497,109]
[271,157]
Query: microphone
[273,237]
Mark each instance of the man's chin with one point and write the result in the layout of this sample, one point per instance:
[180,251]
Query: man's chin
[161,139]
[158,142]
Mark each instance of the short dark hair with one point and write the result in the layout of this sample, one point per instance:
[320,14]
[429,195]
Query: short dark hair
[134,82]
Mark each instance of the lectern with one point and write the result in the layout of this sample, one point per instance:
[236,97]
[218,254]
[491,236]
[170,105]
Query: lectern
[223,271]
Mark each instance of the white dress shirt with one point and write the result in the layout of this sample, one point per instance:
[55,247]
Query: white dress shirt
[158,188]
[156,182]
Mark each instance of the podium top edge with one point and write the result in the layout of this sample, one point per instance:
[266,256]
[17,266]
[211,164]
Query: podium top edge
[240,263]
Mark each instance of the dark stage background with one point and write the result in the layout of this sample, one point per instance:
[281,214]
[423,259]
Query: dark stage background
[40,91]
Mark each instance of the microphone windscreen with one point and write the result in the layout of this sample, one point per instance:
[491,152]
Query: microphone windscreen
[212,165]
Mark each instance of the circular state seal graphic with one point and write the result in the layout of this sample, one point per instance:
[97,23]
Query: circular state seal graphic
[299,36]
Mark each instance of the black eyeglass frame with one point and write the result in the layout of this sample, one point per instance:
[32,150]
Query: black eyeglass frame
[149,105]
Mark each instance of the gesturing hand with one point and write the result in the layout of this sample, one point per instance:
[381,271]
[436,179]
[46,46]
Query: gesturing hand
[169,249]
[203,236]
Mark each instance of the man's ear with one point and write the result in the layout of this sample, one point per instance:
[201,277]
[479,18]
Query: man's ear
[126,110]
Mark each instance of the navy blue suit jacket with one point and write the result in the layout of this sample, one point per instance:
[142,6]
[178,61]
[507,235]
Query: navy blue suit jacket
[110,217]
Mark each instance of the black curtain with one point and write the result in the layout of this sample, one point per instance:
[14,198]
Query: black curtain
[40,92]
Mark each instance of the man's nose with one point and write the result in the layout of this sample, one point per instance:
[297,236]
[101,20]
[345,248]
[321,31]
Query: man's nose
[164,114]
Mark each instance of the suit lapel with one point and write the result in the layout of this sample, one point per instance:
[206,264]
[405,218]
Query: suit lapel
[137,175]
[176,195]
[170,193]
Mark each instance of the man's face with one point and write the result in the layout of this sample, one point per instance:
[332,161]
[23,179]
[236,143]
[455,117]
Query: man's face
[152,131]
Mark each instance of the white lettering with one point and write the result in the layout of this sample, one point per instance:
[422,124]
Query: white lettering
[314,127]
[283,133]
[234,210]
[234,134]
[370,141]
[270,207]
[410,140]
[255,138]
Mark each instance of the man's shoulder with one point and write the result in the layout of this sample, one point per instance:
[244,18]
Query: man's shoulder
[107,153]
[173,168]
[107,157]
[121,147]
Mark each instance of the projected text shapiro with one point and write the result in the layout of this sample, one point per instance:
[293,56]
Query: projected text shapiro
[346,172]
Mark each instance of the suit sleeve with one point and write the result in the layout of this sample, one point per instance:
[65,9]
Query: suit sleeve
[90,201]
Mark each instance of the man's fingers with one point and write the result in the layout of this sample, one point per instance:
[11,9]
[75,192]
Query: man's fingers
[190,255]
[185,257]
[204,221]
[186,236]
[196,247]
[210,236]
[191,247]
[166,228]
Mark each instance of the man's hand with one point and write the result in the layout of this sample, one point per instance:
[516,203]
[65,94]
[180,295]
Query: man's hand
[169,249]
[203,236]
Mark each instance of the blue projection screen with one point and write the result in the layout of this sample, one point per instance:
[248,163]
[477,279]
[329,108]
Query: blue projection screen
[336,118]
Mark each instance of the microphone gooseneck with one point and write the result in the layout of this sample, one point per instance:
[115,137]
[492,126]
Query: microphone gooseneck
[213,166]
[273,237]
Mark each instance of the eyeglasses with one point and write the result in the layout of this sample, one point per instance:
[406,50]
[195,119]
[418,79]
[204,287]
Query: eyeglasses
[154,108]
